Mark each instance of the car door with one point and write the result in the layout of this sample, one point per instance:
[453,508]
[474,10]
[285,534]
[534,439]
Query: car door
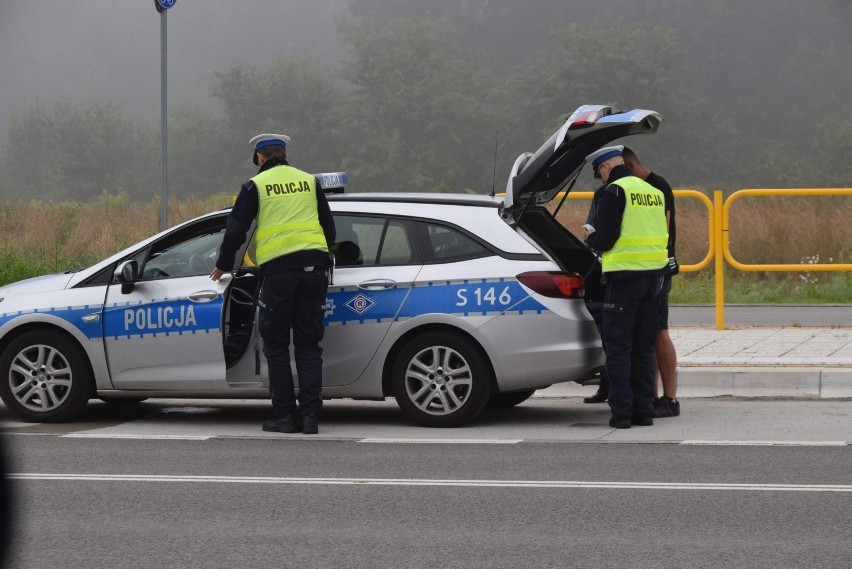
[377,264]
[166,333]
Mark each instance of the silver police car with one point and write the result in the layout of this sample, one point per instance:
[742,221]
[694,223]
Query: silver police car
[446,302]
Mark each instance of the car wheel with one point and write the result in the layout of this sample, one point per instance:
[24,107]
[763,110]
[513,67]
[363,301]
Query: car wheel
[124,401]
[441,379]
[45,377]
[506,400]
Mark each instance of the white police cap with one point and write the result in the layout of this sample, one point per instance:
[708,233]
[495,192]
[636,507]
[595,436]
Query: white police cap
[262,140]
[599,156]
[268,139]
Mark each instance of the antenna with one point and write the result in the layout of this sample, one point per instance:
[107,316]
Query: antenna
[494,179]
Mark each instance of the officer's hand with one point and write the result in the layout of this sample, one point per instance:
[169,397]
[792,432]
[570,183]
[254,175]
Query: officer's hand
[216,274]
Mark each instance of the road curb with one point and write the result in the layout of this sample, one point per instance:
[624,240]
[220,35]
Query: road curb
[769,381]
[820,383]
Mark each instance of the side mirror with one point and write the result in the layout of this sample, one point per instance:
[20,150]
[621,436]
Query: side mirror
[127,273]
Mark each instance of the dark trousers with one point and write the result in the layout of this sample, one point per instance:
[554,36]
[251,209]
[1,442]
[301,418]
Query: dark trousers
[595,308]
[630,316]
[294,300]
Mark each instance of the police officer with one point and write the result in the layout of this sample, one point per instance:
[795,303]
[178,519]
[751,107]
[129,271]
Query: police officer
[294,230]
[631,232]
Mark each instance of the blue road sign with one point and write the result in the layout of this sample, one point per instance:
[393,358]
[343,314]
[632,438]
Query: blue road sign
[166,4]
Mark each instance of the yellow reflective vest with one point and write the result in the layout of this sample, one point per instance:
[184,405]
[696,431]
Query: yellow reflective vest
[287,219]
[641,245]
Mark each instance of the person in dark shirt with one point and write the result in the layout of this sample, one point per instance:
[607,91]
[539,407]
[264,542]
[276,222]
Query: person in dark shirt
[665,355]
[294,231]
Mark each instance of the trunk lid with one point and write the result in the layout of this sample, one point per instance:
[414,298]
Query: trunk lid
[539,176]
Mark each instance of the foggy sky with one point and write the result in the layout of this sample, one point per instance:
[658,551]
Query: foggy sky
[79,50]
[109,51]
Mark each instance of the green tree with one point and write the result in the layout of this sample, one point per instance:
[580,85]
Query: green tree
[419,111]
[620,64]
[63,151]
[294,97]
[200,155]
[834,167]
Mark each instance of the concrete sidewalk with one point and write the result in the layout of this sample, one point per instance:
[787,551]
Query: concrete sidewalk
[755,362]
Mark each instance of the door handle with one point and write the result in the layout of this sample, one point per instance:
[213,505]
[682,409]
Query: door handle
[377,284]
[203,296]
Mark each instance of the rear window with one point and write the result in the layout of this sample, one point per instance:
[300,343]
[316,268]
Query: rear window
[369,241]
[449,244]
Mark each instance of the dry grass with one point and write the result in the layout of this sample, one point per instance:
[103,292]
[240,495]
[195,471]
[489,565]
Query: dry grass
[38,237]
[763,230]
[61,232]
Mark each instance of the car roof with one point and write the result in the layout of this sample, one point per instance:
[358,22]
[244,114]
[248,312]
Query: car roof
[478,214]
[420,197]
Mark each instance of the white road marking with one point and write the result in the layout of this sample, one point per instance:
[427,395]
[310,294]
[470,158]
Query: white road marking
[377,440]
[428,482]
[138,437]
[445,441]
[769,443]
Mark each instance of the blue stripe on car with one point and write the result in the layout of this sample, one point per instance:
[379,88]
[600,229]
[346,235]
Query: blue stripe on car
[472,297]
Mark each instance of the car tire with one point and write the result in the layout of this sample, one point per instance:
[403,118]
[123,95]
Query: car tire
[45,377]
[441,379]
[506,400]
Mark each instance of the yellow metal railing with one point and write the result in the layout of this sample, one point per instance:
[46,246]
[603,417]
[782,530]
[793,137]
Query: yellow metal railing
[718,215]
[723,209]
[779,192]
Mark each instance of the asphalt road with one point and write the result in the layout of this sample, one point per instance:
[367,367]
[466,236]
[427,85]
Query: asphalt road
[302,503]
[730,483]
[770,315]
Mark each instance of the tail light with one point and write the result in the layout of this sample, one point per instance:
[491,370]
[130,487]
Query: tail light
[554,284]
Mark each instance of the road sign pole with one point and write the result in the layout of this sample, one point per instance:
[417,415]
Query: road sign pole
[164,193]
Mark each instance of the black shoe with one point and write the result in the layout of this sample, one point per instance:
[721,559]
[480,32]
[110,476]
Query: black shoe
[288,424]
[309,424]
[619,423]
[598,397]
[665,407]
[642,421]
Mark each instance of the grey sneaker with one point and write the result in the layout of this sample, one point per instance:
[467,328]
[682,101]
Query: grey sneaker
[665,407]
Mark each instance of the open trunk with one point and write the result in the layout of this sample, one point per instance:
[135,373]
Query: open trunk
[536,178]
[567,250]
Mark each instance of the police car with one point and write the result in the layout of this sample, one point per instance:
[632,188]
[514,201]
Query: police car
[446,302]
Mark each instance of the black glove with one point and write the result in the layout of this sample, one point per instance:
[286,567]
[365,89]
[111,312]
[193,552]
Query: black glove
[672,268]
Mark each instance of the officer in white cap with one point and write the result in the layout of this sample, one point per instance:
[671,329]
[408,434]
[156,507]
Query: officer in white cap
[630,231]
[294,230]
